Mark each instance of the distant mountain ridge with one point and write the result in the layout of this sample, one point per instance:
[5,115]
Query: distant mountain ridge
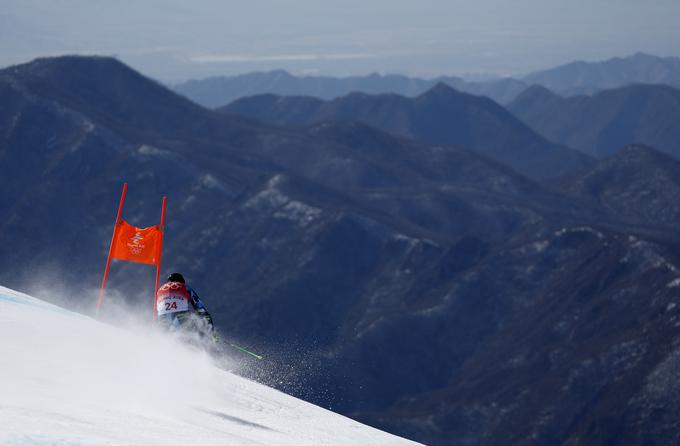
[589,77]
[601,124]
[567,80]
[219,91]
[441,115]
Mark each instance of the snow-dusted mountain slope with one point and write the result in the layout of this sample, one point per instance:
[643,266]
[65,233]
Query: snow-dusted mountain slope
[69,380]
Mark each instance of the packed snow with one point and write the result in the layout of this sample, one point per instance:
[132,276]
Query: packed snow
[69,380]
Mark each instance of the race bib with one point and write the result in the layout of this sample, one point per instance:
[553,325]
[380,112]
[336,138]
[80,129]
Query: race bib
[172,303]
[173,297]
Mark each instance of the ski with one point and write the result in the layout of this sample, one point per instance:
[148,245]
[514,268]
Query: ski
[245,351]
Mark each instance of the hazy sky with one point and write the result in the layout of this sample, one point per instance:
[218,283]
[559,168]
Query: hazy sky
[173,40]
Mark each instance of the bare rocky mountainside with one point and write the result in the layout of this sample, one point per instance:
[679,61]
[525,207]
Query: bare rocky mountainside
[423,288]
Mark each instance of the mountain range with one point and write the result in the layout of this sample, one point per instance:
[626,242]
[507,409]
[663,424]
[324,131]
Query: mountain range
[589,77]
[566,80]
[440,116]
[423,288]
[218,91]
[604,122]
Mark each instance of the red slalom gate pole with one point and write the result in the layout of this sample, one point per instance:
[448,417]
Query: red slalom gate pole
[158,264]
[108,259]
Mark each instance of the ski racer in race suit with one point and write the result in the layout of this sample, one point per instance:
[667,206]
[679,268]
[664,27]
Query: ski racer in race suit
[179,307]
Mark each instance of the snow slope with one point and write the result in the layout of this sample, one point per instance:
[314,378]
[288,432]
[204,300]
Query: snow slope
[68,380]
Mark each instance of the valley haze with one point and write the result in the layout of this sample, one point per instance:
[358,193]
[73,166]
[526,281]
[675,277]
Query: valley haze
[175,41]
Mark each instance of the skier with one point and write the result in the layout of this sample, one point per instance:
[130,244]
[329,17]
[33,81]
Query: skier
[179,308]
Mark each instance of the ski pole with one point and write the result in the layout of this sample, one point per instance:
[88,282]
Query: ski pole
[245,351]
